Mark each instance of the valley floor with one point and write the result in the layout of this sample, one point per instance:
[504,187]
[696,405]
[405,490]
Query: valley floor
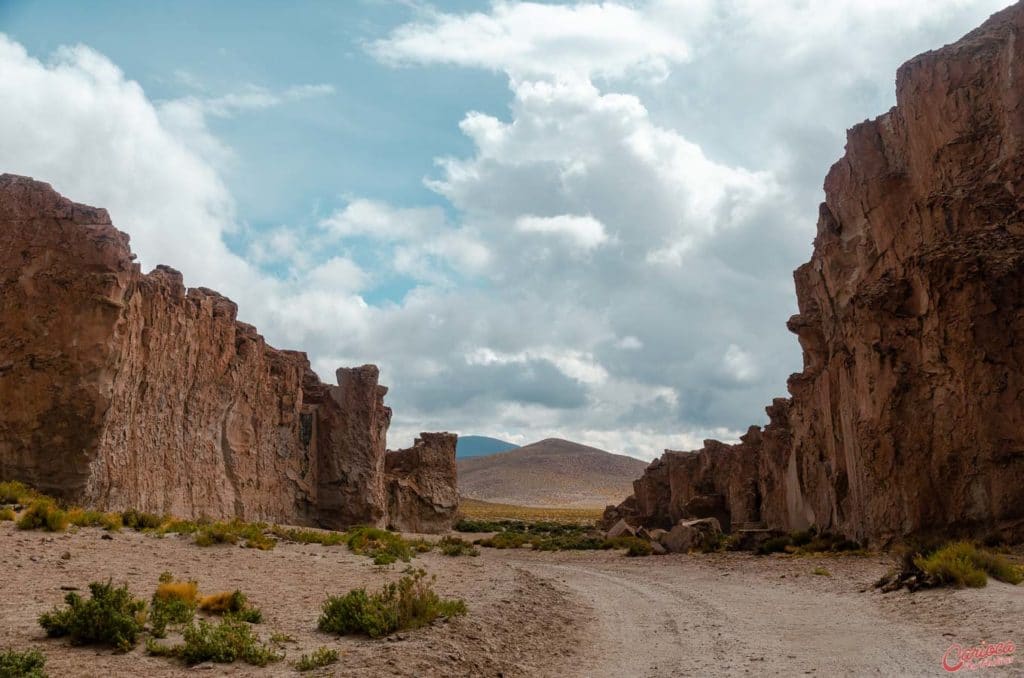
[530,614]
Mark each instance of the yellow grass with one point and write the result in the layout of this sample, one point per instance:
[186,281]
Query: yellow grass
[485,510]
[181,590]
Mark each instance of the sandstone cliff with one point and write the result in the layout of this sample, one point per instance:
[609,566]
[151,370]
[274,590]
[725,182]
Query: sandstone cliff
[121,389]
[908,416]
[422,490]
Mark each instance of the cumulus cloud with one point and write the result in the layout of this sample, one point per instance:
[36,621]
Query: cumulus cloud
[585,232]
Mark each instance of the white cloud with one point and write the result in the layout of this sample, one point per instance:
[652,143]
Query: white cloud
[586,232]
[381,221]
[739,364]
[528,39]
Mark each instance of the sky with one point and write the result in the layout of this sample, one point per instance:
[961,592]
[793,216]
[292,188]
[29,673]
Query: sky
[541,219]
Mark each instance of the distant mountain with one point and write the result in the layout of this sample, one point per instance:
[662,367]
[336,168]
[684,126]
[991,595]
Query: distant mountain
[478,446]
[551,472]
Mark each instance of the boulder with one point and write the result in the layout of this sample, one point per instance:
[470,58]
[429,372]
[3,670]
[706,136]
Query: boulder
[691,534]
[621,529]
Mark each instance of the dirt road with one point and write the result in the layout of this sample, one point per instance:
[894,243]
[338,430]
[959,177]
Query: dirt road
[530,614]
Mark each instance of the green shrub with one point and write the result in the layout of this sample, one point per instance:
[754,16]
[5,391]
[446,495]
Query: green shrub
[230,532]
[383,546]
[14,492]
[22,664]
[407,604]
[88,518]
[223,643]
[233,605]
[173,602]
[112,616]
[420,545]
[505,540]
[964,564]
[456,546]
[6,513]
[322,657]
[43,514]
[773,545]
[302,536]
[138,520]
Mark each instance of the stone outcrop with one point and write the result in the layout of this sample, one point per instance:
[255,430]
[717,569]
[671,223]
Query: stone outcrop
[422,485]
[908,416]
[121,389]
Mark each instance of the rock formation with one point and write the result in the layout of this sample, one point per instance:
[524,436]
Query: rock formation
[422,484]
[121,389]
[908,416]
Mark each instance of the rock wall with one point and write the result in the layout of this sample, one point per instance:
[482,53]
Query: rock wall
[422,482]
[121,389]
[908,416]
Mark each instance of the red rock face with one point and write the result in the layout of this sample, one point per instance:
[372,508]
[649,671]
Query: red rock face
[909,414]
[119,389]
[422,482]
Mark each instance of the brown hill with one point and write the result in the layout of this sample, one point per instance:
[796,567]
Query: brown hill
[551,472]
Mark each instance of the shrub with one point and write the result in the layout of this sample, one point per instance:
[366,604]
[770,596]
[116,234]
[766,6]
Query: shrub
[773,545]
[505,540]
[138,520]
[964,564]
[456,546]
[322,657]
[302,536]
[233,604]
[112,616]
[6,513]
[22,664]
[407,604]
[174,602]
[85,518]
[821,572]
[230,532]
[223,643]
[420,545]
[383,546]
[43,514]
[14,492]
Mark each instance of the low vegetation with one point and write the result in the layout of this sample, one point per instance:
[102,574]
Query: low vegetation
[139,520]
[384,547]
[306,536]
[112,616]
[13,492]
[7,513]
[85,518]
[43,514]
[408,603]
[174,602]
[323,656]
[22,664]
[959,564]
[224,642]
[808,542]
[456,546]
[231,604]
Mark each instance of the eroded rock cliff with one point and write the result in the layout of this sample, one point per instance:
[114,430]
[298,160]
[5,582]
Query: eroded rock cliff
[422,489]
[121,389]
[908,416]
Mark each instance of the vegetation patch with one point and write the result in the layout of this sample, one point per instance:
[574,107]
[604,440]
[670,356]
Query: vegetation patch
[821,572]
[7,513]
[305,536]
[110,522]
[173,602]
[324,656]
[409,603]
[22,664]
[138,520]
[14,492]
[384,547]
[233,604]
[112,616]
[43,514]
[225,642]
[456,546]
[960,564]
[475,509]
[808,542]
[231,532]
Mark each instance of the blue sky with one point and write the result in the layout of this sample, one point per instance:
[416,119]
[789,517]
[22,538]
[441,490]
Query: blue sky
[562,219]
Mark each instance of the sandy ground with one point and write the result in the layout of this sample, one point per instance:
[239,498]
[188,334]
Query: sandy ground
[531,614]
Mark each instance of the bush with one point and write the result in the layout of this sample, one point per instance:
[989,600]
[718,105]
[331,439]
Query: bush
[137,520]
[964,564]
[25,664]
[821,572]
[456,546]
[43,514]
[322,657]
[223,643]
[407,604]
[84,518]
[6,513]
[383,546]
[14,492]
[505,540]
[302,536]
[112,616]
[230,532]
[173,602]
[233,604]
